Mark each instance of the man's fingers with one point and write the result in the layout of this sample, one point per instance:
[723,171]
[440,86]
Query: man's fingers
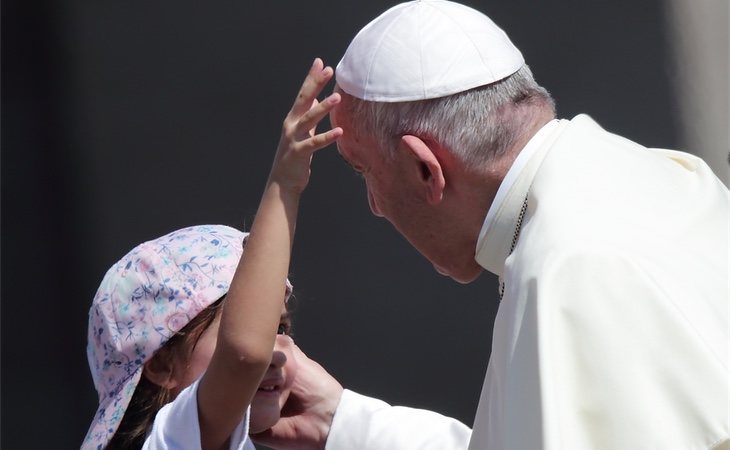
[281,433]
[293,407]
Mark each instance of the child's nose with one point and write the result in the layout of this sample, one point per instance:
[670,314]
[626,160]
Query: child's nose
[278,359]
[281,344]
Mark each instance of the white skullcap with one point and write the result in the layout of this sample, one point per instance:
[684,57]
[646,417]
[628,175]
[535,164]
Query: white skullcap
[426,49]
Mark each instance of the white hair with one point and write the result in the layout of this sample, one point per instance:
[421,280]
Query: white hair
[477,125]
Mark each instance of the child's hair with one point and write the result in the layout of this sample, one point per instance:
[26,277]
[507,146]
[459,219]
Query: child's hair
[149,397]
[154,295]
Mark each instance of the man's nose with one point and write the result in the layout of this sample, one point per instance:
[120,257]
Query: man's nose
[374,205]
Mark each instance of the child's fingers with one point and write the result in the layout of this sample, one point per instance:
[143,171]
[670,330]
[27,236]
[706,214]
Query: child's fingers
[310,119]
[315,81]
[319,141]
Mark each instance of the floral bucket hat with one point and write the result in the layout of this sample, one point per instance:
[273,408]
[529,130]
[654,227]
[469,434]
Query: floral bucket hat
[143,300]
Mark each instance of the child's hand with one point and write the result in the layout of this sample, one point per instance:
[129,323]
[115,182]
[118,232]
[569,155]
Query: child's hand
[298,139]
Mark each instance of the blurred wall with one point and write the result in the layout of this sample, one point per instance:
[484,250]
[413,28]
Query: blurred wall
[698,31]
[124,120]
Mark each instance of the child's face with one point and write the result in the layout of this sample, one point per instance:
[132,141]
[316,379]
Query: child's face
[276,384]
[275,387]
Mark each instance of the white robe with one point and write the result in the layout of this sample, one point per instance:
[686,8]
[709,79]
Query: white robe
[364,423]
[614,328]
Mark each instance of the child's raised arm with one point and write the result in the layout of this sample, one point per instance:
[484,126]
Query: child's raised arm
[252,309]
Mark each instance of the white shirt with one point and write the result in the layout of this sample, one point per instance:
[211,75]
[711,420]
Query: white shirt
[537,142]
[176,426]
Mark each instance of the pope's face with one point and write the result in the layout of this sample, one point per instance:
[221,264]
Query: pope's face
[395,193]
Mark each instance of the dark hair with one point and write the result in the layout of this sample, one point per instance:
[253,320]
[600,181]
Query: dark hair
[149,397]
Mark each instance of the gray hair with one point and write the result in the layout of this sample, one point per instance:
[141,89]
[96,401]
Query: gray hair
[478,125]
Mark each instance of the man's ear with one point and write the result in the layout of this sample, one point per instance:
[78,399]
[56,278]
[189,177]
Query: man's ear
[160,372]
[431,171]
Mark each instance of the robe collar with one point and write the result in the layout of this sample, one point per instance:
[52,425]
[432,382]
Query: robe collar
[498,230]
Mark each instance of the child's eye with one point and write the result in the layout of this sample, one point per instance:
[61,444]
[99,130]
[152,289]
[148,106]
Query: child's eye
[284,328]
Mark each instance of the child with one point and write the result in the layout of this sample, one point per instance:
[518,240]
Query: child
[181,333]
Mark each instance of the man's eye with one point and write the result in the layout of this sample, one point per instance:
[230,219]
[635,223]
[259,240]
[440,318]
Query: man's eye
[284,328]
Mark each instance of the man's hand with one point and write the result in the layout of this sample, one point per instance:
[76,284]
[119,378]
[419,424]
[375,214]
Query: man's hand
[307,416]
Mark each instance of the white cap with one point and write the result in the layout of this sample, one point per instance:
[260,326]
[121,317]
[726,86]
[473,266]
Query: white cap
[426,49]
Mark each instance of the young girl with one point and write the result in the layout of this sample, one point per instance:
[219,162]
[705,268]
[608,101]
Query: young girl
[181,333]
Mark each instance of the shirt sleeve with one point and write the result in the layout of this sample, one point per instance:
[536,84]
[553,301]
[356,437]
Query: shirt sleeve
[176,426]
[366,423]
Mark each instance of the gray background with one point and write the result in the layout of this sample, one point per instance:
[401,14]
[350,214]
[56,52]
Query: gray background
[124,120]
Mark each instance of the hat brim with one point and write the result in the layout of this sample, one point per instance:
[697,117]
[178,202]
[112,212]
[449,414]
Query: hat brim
[109,414]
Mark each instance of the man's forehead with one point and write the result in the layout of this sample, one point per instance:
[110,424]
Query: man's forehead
[344,142]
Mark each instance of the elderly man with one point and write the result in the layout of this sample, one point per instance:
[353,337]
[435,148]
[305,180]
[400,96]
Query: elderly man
[612,332]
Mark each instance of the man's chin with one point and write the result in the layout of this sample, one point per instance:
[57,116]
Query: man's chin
[460,276]
[441,271]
